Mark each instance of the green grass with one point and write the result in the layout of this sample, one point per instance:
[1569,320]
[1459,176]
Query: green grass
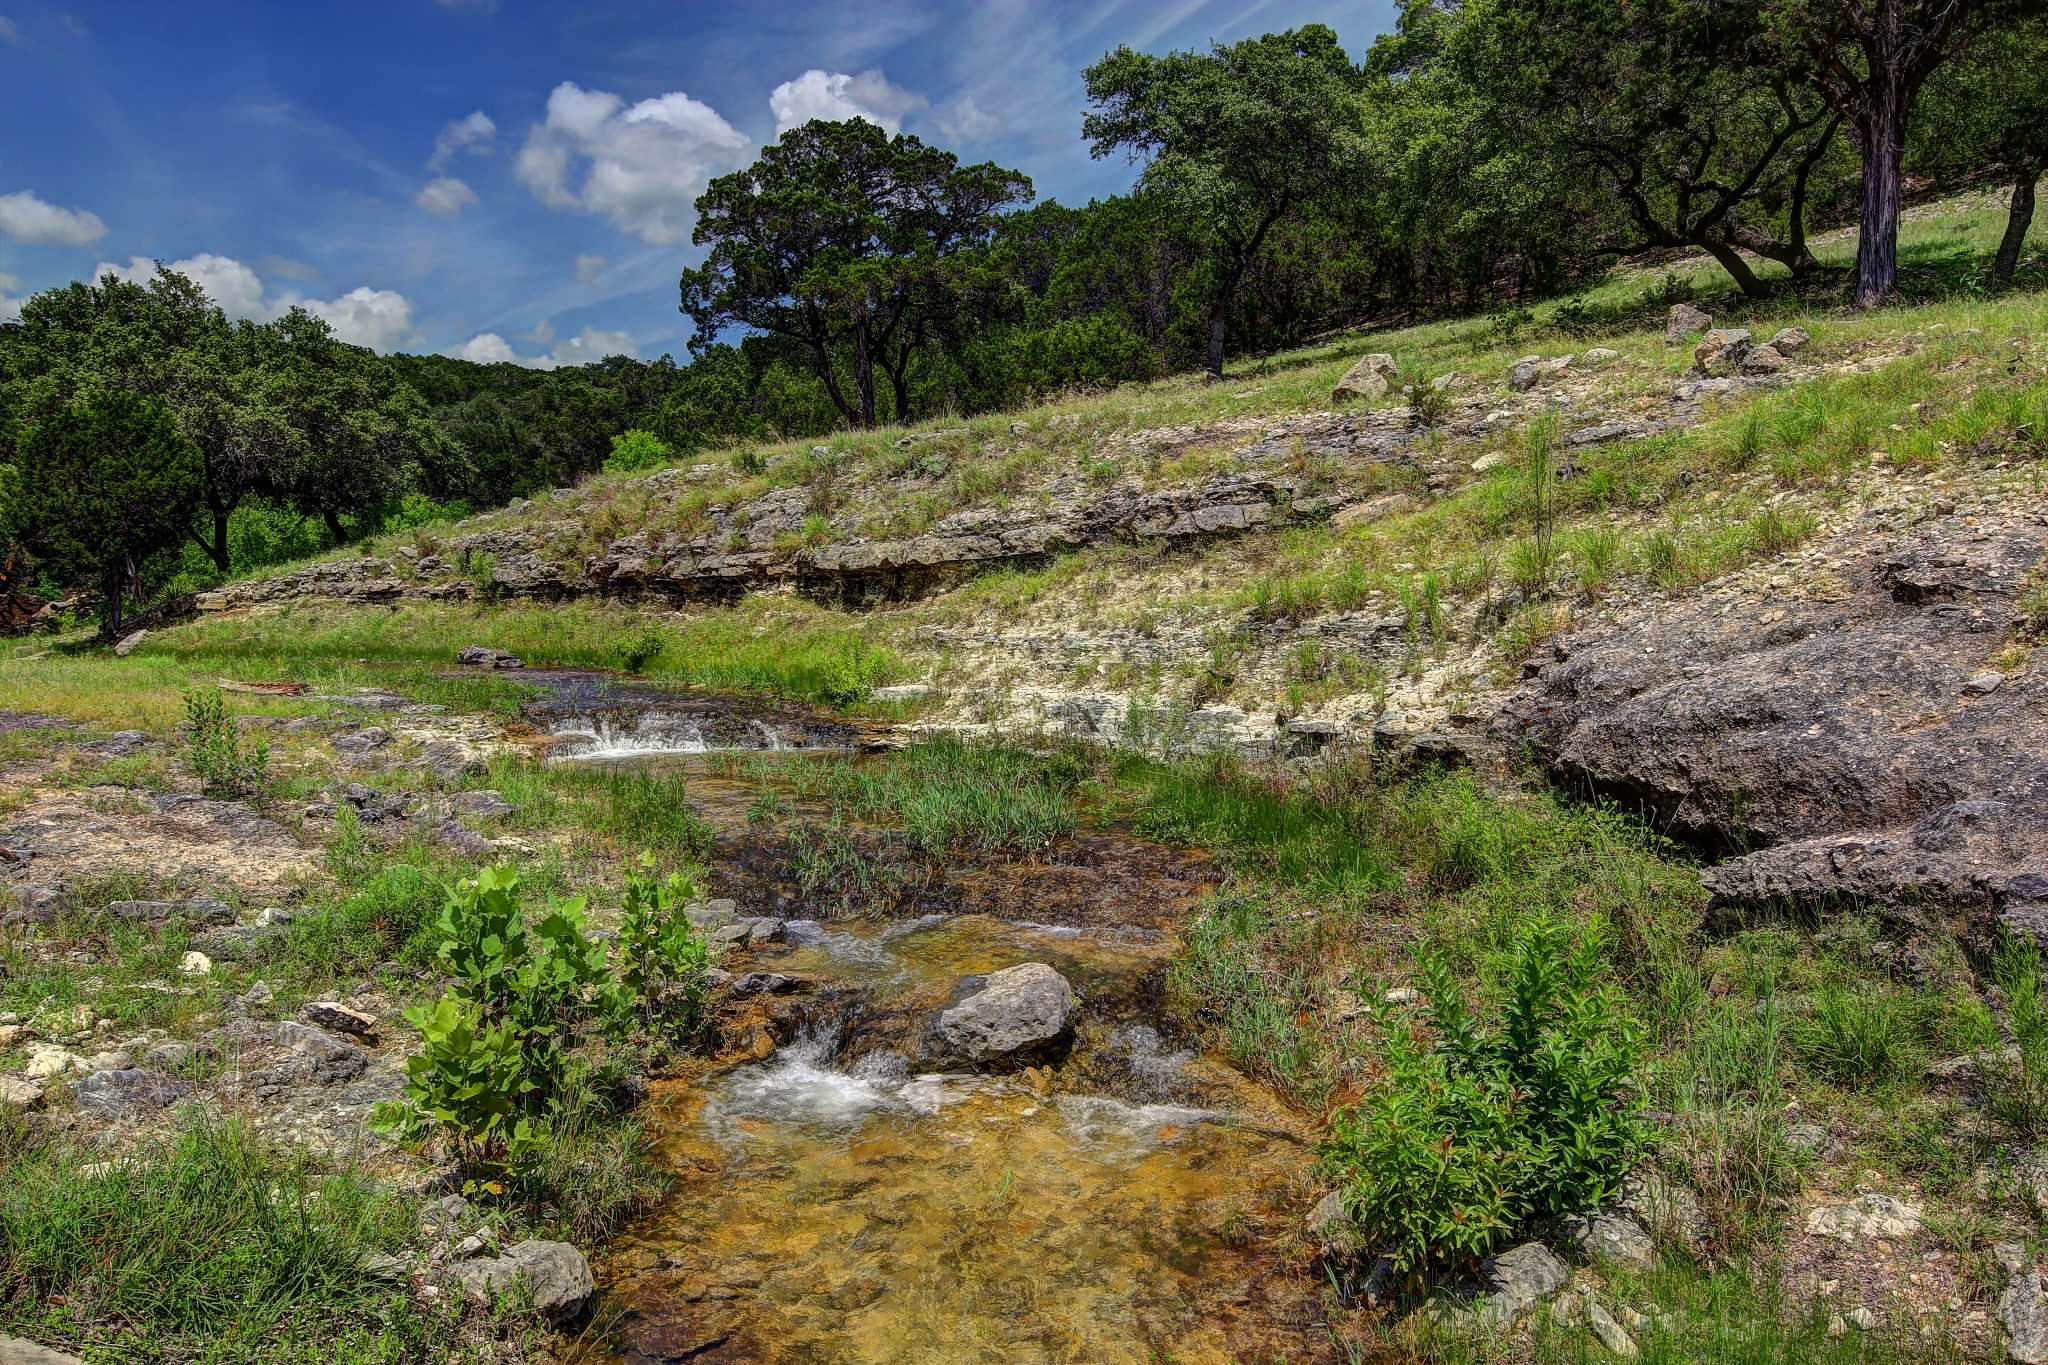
[212,1244]
[948,796]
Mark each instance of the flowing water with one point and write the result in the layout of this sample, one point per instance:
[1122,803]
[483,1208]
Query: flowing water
[833,1203]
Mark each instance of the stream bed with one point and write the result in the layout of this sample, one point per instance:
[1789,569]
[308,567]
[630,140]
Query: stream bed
[834,1202]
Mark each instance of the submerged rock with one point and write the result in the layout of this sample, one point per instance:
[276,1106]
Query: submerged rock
[1017,1015]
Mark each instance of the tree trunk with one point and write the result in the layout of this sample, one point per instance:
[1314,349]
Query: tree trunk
[1738,269]
[218,550]
[1219,314]
[113,605]
[864,371]
[899,383]
[1882,133]
[333,521]
[830,375]
[2018,218]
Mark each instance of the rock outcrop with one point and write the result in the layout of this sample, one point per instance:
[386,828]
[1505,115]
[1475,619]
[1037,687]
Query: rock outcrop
[1867,747]
[1018,1015]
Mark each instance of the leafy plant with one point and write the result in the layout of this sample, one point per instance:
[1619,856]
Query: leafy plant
[852,673]
[1478,1130]
[663,963]
[214,746]
[471,1081]
[1428,403]
[637,651]
[635,450]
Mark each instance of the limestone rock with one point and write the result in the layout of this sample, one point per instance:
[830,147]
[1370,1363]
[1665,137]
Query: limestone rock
[1597,356]
[330,1058]
[18,1094]
[483,656]
[1509,1284]
[1017,1015]
[195,963]
[1684,321]
[2022,1310]
[1605,1235]
[1607,1331]
[1763,360]
[21,1351]
[555,1274]
[118,1094]
[128,643]
[1867,1217]
[1789,340]
[1369,378]
[1827,736]
[331,1014]
[198,911]
[1722,350]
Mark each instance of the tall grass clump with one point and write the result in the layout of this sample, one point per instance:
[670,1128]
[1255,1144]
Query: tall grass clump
[949,795]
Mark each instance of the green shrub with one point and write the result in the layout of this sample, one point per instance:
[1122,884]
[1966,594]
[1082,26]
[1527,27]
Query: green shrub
[471,1082]
[637,651]
[213,744]
[662,961]
[1476,1131]
[852,673]
[634,451]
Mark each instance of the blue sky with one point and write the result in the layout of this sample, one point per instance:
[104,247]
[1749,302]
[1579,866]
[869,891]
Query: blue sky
[508,178]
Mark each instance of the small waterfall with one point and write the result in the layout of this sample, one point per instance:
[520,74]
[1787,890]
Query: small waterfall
[771,738]
[603,737]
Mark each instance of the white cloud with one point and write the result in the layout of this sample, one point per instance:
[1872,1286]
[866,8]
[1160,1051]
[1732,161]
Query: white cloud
[966,121]
[28,219]
[485,348]
[444,196]
[470,133]
[588,268]
[228,282]
[11,31]
[377,318]
[642,167]
[837,96]
[584,348]
[10,306]
[591,344]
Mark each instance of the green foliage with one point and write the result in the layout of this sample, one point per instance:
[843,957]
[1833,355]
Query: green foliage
[1477,1130]
[636,652]
[471,1081]
[213,745]
[2016,1084]
[102,484]
[853,672]
[662,961]
[635,451]
[953,797]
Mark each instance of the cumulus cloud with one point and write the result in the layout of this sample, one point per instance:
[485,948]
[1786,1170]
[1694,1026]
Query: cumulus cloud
[227,281]
[965,121]
[26,218]
[444,196]
[588,268]
[590,344]
[584,348]
[485,348]
[837,96]
[377,318]
[470,133]
[642,167]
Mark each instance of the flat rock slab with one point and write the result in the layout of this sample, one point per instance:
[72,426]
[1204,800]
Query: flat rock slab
[122,1094]
[19,1351]
[1835,738]
[184,841]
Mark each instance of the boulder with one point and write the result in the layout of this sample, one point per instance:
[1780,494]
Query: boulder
[119,1094]
[1684,322]
[1507,1285]
[1606,1235]
[129,642]
[1369,378]
[2022,1310]
[1597,356]
[21,1351]
[1524,373]
[1721,351]
[1763,360]
[18,1095]
[331,1059]
[555,1274]
[1789,340]
[1018,1015]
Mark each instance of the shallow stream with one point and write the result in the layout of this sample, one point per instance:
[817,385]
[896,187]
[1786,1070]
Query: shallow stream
[833,1204]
